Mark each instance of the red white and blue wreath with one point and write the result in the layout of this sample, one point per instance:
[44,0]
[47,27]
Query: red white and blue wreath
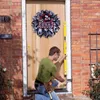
[46,23]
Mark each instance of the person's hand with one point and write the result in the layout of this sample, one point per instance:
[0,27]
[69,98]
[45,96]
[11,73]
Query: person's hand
[61,59]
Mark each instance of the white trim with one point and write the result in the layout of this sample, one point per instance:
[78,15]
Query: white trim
[68,40]
[24,49]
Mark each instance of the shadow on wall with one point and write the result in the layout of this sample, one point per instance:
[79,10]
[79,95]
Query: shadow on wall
[11,57]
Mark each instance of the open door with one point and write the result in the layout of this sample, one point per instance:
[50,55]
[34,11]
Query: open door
[37,47]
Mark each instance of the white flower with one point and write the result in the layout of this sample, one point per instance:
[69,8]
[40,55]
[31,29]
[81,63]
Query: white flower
[4,69]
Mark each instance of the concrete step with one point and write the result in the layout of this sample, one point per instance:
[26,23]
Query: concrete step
[63,97]
[71,97]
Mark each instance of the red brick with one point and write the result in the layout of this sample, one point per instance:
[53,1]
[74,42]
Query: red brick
[85,19]
[75,1]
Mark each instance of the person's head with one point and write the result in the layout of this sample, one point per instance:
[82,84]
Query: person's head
[54,52]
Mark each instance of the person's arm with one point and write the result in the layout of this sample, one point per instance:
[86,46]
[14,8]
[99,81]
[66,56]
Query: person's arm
[56,75]
[60,61]
[58,65]
[59,78]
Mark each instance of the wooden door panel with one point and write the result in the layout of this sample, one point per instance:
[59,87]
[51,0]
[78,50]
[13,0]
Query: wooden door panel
[37,47]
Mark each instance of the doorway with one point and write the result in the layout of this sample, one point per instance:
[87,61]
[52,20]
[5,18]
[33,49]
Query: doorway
[37,48]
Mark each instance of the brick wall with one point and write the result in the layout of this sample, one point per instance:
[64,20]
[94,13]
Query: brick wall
[11,50]
[85,18]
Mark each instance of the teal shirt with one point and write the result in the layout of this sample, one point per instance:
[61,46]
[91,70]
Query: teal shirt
[47,70]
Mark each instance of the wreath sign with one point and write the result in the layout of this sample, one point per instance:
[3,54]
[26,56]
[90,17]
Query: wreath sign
[45,23]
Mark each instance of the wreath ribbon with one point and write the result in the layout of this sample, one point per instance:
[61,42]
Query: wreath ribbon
[45,23]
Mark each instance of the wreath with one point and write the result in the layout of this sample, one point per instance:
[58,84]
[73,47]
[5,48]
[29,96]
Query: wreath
[45,23]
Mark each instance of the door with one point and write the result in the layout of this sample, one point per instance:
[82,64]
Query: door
[37,47]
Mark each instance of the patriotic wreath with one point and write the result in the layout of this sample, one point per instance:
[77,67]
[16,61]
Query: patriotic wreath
[45,23]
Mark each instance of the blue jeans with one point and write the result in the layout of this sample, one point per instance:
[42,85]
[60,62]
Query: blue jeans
[43,95]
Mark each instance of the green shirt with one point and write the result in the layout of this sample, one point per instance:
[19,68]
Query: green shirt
[47,70]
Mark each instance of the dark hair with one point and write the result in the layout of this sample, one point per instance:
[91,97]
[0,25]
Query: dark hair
[54,50]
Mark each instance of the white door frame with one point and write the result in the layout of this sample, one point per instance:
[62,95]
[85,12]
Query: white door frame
[24,47]
[68,40]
